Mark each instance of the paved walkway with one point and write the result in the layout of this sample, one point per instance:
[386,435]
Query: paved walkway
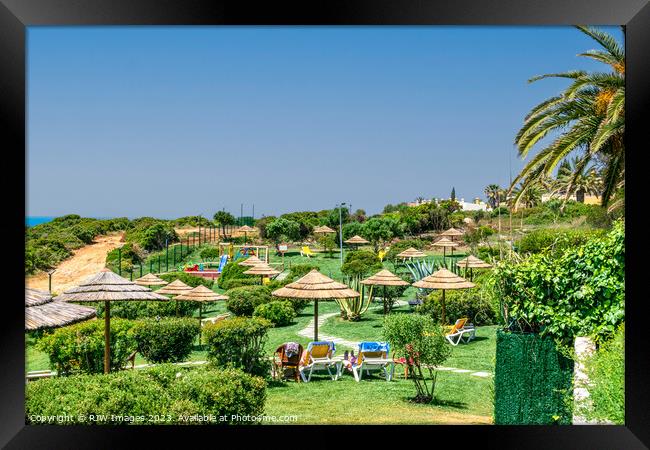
[308,332]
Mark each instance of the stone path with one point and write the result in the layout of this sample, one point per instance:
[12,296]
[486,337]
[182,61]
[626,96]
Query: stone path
[308,332]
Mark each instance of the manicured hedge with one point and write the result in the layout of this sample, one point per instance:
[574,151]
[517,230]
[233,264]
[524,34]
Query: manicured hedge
[533,381]
[238,342]
[79,348]
[280,313]
[231,270]
[242,301]
[162,395]
[166,340]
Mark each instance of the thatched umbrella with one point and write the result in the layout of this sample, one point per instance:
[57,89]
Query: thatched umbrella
[472,262]
[150,280]
[251,261]
[315,286]
[384,278]
[263,270]
[323,229]
[108,287]
[445,243]
[411,253]
[175,288]
[356,240]
[201,294]
[246,229]
[452,233]
[443,279]
[42,312]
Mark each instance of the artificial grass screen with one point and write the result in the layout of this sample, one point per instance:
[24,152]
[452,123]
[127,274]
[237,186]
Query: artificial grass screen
[533,381]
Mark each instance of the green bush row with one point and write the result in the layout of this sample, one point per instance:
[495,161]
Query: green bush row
[79,348]
[161,395]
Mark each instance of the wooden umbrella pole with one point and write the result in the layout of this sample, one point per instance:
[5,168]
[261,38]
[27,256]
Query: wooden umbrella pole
[444,319]
[385,305]
[107,337]
[316,320]
[200,317]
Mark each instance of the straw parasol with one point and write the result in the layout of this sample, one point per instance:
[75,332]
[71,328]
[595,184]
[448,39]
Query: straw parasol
[246,229]
[42,312]
[251,261]
[262,269]
[452,233]
[445,243]
[443,279]
[201,294]
[150,280]
[356,240]
[315,286]
[323,229]
[411,253]
[108,287]
[472,262]
[176,287]
[384,278]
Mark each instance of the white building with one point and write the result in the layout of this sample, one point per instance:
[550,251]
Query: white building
[476,205]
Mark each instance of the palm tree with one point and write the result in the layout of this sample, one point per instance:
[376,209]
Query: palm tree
[572,181]
[532,196]
[590,117]
[494,195]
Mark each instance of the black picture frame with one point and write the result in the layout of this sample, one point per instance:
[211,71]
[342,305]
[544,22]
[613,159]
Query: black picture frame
[16,15]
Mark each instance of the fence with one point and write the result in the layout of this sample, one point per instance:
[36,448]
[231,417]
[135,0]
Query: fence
[173,254]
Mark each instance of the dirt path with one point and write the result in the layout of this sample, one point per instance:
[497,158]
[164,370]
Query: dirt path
[84,262]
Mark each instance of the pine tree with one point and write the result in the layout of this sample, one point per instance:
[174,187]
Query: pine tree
[453,194]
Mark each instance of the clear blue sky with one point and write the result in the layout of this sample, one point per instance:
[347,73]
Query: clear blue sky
[173,121]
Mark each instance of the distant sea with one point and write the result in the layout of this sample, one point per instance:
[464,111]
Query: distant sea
[32,221]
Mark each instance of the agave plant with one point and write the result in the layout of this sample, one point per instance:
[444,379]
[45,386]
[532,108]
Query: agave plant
[353,308]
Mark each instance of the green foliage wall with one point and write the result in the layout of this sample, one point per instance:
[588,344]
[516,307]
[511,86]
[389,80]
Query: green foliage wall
[533,381]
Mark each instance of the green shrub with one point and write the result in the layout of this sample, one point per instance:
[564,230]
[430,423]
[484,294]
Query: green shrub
[360,263]
[231,270]
[163,394]
[227,393]
[606,372]
[209,253]
[421,342]
[80,348]
[599,218]
[280,313]
[470,303]
[239,282]
[298,271]
[165,340]
[487,253]
[555,240]
[242,301]
[580,292]
[239,342]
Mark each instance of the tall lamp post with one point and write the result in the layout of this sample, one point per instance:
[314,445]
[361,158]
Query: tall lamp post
[341,229]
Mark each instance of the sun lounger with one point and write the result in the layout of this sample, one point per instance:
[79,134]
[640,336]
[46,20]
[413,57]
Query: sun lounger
[318,356]
[373,356]
[286,360]
[306,251]
[460,331]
